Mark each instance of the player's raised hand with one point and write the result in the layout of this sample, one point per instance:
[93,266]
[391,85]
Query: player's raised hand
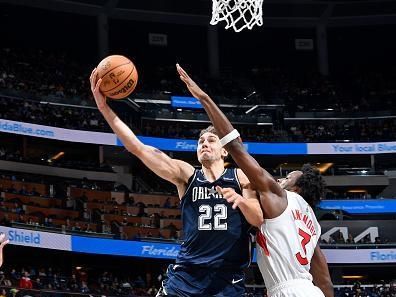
[231,196]
[194,89]
[100,99]
[3,240]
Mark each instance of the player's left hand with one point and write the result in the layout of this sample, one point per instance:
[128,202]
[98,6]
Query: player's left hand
[231,196]
[194,89]
[100,99]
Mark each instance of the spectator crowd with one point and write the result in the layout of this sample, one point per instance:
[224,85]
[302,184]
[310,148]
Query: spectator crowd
[21,281]
[61,79]
[291,131]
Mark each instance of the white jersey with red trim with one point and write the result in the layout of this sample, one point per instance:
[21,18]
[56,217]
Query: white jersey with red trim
[286,243]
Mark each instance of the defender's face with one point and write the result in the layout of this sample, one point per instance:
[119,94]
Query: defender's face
[289,182]
[209,148]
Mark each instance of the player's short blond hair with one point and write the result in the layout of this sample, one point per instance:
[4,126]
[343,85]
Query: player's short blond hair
[209,129]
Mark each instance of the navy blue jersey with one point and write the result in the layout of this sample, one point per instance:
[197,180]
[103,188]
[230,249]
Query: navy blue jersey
[214,234]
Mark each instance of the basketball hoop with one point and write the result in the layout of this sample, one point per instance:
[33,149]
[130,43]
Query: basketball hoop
[238,14]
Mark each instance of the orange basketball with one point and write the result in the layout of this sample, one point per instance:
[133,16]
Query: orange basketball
[119,76]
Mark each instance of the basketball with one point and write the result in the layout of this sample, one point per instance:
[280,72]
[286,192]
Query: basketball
[119,76]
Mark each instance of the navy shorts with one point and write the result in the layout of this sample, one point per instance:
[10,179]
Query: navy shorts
[187,281]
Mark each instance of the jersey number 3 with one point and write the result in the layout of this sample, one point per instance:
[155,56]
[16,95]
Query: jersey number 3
[305,239]
[220,211]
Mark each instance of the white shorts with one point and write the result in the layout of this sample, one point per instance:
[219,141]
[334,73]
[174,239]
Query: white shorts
[295,288]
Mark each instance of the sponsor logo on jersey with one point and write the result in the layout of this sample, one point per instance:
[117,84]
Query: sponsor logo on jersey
[236,281]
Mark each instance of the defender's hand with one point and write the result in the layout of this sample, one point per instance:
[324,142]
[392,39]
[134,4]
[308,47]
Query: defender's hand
[194,89]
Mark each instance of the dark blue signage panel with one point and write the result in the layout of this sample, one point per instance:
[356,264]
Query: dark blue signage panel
[185,102]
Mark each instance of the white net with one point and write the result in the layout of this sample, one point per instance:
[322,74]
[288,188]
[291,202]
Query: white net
[238,14]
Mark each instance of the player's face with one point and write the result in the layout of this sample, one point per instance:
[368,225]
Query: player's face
[209,148]
[289,182]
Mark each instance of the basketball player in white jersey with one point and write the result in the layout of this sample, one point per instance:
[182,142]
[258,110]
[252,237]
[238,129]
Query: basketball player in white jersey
[288,255]
[3,242]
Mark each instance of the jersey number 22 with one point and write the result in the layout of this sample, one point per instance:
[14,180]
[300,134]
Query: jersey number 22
[204,220]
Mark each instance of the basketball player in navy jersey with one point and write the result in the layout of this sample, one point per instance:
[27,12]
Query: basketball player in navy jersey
[216,243]
[288,255]
[3,242]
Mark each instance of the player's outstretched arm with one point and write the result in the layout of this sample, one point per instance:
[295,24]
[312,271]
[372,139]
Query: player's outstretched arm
[3,242]
[175,171]
[320,273]
[259,177]
[248,202]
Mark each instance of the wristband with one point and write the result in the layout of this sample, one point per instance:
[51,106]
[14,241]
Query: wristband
[234,134]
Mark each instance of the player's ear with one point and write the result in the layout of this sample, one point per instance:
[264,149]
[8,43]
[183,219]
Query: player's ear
[224,153]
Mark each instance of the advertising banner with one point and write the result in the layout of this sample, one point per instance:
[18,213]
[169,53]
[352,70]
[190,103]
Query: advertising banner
[256,148]
[360,256]
[57,133]
[384,229]
[91,245]
[185,102]
[124,247]
[189,145]
[170,251]
[37,239]
[358,206]
[351,148]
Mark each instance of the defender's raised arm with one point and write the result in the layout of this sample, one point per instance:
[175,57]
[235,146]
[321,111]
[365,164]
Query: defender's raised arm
[260,178]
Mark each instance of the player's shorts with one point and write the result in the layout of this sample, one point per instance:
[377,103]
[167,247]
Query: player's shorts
[295,288]
[188,281]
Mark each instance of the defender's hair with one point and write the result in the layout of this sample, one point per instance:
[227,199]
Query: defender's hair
[209,129]
[311,184]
